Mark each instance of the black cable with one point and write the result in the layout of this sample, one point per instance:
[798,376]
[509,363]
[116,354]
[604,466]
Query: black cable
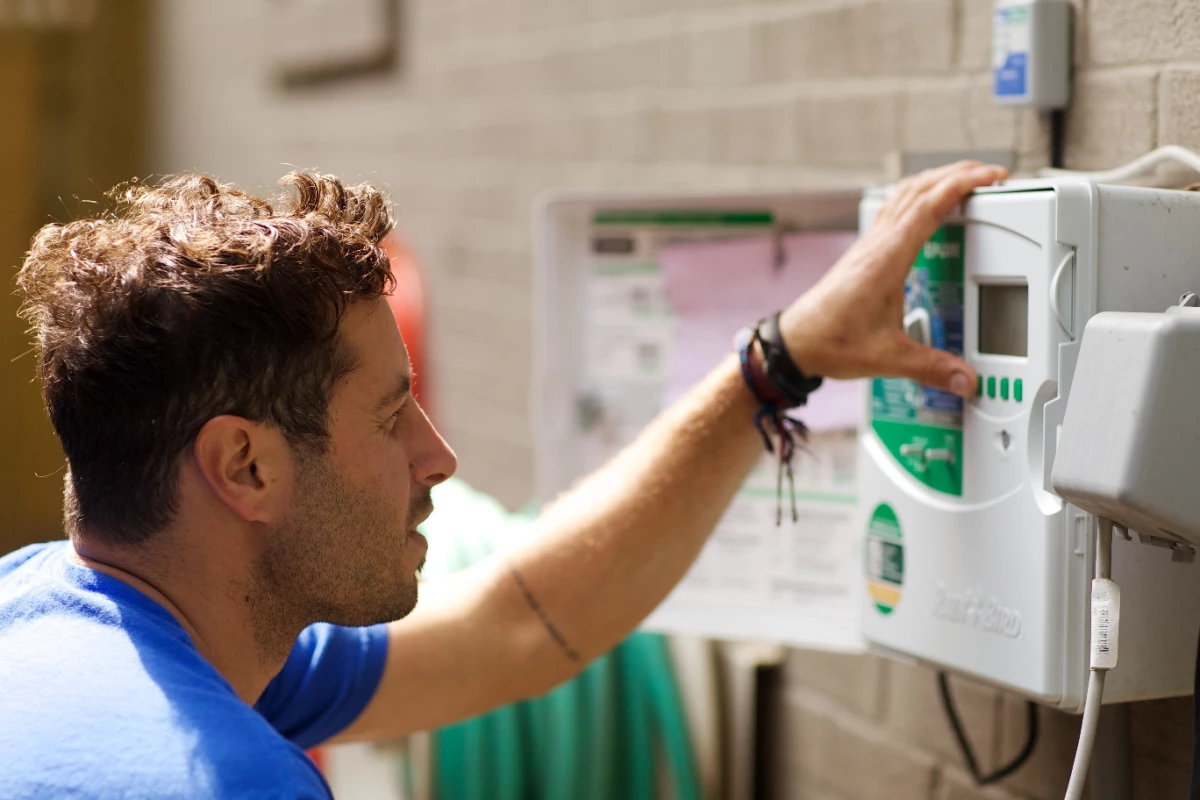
[1194,791]
[969,753]
[1058,139]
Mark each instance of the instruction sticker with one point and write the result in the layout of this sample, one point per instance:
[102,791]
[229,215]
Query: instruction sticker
[885,558]
[919,426]
[1012,40]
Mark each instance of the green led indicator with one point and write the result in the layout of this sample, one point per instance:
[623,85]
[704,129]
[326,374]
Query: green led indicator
[1004,388]
[1018,390]
[992,386]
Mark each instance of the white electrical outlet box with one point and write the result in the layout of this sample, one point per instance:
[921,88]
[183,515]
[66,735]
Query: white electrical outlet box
[1031,53]
[973,563]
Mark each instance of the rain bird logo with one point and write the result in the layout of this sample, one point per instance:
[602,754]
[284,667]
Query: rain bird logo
[974,609]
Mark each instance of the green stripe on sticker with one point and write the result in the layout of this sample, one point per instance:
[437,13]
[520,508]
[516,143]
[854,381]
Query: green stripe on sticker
[654,217]
[624,268]
[921,428]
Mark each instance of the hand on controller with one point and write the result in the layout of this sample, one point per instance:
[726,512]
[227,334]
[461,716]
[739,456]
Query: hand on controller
[850,325]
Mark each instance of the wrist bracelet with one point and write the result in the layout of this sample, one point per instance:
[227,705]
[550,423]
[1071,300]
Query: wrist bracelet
[781,370]
[777,385]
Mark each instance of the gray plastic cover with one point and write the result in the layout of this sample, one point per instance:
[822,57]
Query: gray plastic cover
[1129,448]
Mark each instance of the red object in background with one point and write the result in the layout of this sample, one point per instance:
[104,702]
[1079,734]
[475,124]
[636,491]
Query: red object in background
[408,303]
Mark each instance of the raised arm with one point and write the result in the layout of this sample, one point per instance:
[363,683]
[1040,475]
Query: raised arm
[606,553]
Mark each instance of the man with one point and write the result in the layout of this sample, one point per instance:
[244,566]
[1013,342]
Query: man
[247,471]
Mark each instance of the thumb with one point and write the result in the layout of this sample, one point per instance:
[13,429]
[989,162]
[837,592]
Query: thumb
[935,368]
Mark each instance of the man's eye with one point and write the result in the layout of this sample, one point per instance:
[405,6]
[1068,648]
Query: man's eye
[390,422]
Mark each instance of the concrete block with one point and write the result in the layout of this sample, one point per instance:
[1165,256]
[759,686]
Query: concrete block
[538,15]
[853,758]
[730,56]
[1154,779]
[959,115]
[760,134]
[616,137]
[503,471]
[478,341]
[506,395]
[511,268]
[975,35]
[1045,775]
[911,38]
[1155,31]
[482,20]
[1033,135]
[854,682]
[638,64]
[847,129]
[453,344]
[991,125]
[873,38]
[555,139]
[1162,730]
[956,784]
[689,134]
[1179,108]
[1112,119]
[509,304]
[913,710]
[808,45]
[802,787]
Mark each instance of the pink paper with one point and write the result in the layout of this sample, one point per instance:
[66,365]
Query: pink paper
[717,287]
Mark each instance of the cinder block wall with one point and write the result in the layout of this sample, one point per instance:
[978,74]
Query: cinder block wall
[499,99]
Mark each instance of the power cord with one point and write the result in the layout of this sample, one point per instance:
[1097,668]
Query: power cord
[1106,616]
[969,753]
[1171,153]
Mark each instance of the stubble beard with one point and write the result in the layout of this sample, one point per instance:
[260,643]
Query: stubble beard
[338,558]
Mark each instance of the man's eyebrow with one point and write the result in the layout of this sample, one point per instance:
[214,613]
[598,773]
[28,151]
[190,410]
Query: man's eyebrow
[397,394]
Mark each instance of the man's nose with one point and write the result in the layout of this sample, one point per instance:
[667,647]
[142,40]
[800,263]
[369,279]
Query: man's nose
[432,459]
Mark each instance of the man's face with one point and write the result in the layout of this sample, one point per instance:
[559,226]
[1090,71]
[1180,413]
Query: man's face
[348,552]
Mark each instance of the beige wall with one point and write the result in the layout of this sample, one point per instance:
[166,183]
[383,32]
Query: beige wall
[499,99]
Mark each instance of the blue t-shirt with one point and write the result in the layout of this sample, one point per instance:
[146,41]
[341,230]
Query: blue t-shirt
[103,695]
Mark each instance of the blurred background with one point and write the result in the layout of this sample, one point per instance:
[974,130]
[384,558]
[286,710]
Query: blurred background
[465,110]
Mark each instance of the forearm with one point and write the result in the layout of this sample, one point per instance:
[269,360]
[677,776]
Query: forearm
[608,552]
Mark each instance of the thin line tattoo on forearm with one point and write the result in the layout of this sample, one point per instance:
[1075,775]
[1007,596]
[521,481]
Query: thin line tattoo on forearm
[537,609]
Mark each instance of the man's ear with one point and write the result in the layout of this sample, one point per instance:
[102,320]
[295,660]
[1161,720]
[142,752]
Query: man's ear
[248,466]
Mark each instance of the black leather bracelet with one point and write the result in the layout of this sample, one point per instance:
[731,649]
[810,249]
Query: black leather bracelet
[781,370]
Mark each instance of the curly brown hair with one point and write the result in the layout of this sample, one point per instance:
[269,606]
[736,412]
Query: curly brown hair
[193,299]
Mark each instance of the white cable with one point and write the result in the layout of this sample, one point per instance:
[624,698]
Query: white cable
[1087,735]
[1105,617]
[1139,166]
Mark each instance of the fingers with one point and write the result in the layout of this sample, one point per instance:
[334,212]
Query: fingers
[949,184]
[936,203]
[932,367]
[928,209]
[902,196]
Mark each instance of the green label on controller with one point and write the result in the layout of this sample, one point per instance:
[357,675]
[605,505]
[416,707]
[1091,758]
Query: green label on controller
[885,559]
[919,426]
